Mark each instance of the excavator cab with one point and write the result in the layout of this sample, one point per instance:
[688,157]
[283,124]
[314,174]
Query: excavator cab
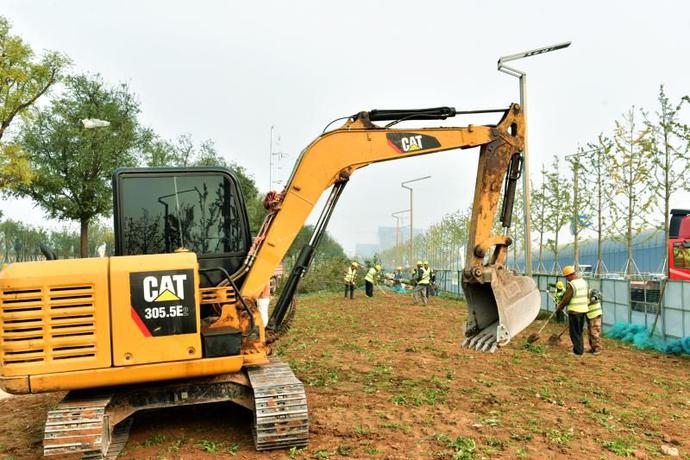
[200,209]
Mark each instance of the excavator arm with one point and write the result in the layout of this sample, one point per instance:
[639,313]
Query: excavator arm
[500,304]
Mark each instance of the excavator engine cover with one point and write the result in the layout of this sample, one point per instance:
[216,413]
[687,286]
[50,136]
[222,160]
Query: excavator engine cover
[499,305]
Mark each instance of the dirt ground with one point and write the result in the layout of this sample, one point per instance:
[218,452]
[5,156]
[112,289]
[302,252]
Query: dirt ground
[386,379]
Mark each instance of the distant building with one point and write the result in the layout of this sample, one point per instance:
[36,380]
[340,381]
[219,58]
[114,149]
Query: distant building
[387,236]
[366,250]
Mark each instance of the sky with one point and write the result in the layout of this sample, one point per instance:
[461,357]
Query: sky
[228,71]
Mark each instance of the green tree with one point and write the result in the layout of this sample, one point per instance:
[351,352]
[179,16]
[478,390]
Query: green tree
[24,78]
[73,166]
[538,217]
[631,169]
[669,145]
[580,203]
[557,202]
[596,166]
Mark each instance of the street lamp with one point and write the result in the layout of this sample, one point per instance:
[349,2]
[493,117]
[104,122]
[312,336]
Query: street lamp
[523,103]
[272,154]
[90,123]
[397,234]
[402,184]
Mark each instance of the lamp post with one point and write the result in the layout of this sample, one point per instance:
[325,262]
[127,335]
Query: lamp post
[525,163]
[397,234]
[403,185]
[272,154]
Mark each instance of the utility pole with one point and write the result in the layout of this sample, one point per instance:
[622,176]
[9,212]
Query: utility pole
[403,185]
[398,256]
[525,159]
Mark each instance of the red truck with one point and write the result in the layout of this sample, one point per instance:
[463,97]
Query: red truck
[679,245]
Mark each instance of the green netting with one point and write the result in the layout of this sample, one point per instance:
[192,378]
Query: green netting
[639,336]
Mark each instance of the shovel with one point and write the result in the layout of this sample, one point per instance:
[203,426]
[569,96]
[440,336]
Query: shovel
[534,337]
[555,339]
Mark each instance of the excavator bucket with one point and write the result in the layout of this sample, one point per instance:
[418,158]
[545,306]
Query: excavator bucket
[498,308]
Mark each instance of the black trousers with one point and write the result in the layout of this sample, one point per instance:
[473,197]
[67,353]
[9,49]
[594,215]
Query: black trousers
[351,289]
[576,325]
[369,287]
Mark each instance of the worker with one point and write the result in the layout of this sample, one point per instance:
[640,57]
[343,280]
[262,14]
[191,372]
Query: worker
[594,316]
[576,300]
[422,279]
[557,296]
[431,287]
[371,279]
[351,279]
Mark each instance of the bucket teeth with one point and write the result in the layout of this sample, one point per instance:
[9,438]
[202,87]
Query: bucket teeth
[484,341]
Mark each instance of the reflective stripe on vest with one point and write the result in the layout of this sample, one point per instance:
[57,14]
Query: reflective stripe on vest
[351,275]
[370,275]
[426,276]
[594,310]
[579,302]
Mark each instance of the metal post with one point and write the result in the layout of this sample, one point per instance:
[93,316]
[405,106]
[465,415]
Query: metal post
[527,198]
[402,184]
[523,103]
[397,234]
[270,162]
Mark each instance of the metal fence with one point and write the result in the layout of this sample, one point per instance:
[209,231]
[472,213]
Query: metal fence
[624,301]
[637,302]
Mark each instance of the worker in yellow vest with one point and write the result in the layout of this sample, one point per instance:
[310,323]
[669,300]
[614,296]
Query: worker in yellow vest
[576,300]
[423,278]
[557,296]
[371,279]
[351,279]
[594,325]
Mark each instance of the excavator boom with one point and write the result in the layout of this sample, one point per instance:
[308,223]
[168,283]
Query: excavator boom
[500,304]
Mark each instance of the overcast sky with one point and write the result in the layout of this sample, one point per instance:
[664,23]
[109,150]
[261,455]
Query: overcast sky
[227,71]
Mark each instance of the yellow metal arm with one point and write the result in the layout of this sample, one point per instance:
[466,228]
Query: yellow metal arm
[337,154]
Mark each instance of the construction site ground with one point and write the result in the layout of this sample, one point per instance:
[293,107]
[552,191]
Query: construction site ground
[387,379]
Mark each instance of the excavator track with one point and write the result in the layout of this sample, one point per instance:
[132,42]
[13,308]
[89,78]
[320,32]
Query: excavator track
[78,424]
[281,419]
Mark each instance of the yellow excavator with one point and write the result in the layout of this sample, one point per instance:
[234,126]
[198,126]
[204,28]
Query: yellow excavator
[172,318]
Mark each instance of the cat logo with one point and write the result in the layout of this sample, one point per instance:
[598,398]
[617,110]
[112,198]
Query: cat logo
[163,302]
[165,288]
[411,142]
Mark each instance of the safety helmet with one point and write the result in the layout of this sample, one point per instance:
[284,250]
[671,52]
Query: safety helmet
[426,262]
[355,264]
[560,285]
[398,268]
[378,268]
[568,270]
[419,262]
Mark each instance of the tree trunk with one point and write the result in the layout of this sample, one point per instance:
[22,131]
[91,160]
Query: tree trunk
[84,238]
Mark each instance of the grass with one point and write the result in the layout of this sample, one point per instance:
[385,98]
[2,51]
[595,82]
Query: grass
[156,439]
[620,446]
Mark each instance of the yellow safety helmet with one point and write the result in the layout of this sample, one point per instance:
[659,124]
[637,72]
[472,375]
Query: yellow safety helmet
[398,268]
[568,270]
[378,268]
[426,262]
[560,285]
[419,262]
[355,264]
